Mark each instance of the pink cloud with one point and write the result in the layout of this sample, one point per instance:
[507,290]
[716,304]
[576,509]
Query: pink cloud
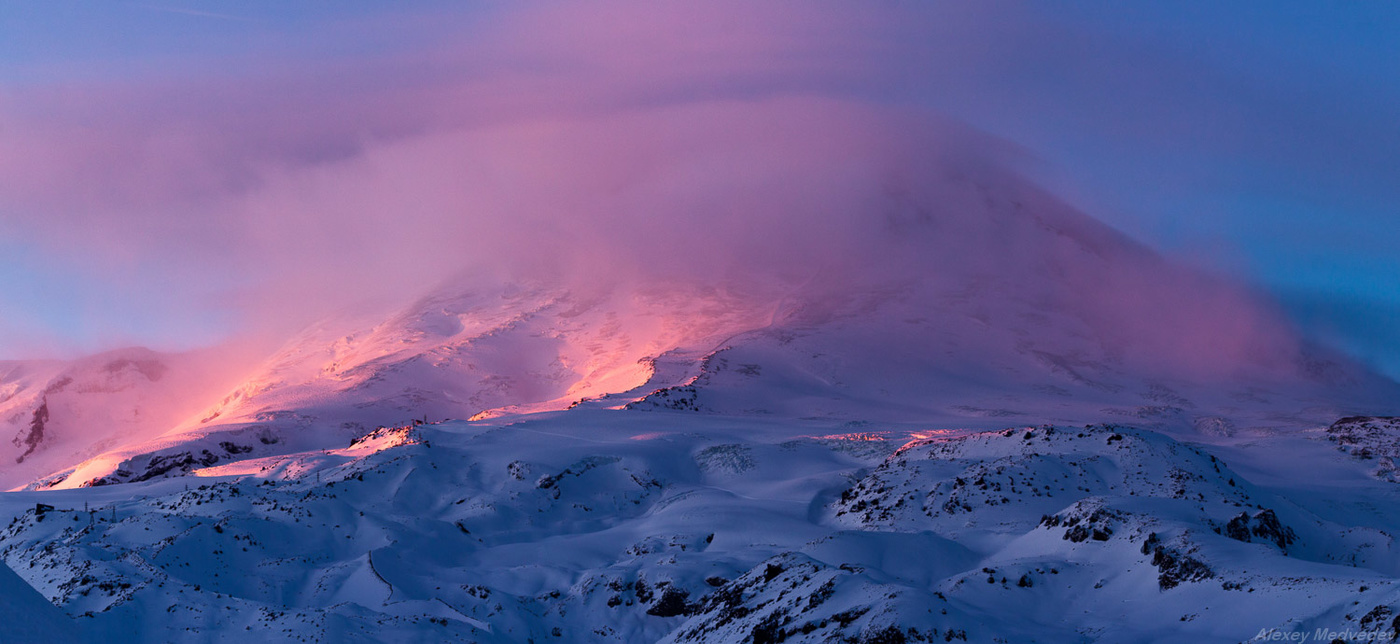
[597,142]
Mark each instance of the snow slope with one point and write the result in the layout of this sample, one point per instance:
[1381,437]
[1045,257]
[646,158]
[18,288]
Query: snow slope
[453,354]
[55,414]
[27,616]
[627,525]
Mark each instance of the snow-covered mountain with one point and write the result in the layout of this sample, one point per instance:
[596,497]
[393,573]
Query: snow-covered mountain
[1000,422]
[453,354]
[968,301]
[55,413]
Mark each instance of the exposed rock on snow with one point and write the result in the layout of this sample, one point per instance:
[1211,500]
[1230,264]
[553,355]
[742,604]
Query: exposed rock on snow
[1370,438]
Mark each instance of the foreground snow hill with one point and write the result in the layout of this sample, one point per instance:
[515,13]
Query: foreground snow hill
[28,616]
[598,525]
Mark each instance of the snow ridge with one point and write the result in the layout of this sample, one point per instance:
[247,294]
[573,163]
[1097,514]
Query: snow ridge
[598,525]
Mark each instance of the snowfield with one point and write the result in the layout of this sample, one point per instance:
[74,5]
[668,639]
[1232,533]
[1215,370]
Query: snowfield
[597,525]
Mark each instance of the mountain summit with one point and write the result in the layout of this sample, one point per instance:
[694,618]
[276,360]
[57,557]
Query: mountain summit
[949,292]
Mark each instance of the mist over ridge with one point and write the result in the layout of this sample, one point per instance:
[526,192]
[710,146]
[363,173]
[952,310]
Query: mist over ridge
[751,170]
[750,144]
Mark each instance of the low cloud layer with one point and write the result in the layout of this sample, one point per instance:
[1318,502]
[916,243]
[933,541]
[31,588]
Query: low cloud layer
[523,138]
[609,143]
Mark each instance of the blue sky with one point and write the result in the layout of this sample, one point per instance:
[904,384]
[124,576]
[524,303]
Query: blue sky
[1260,139]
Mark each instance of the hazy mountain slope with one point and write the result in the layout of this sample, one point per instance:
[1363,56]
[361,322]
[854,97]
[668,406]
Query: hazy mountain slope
[956,298]
[53,414]
[451,355]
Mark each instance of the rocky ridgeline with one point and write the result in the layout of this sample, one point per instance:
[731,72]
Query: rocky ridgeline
[1262,526]
[1015,476]
[793,598]
[1370,438]
[245,442]
[686,396]
[258,440]
[677,398]
[1104,491]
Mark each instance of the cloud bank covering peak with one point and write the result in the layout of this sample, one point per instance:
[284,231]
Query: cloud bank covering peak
[243,195]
